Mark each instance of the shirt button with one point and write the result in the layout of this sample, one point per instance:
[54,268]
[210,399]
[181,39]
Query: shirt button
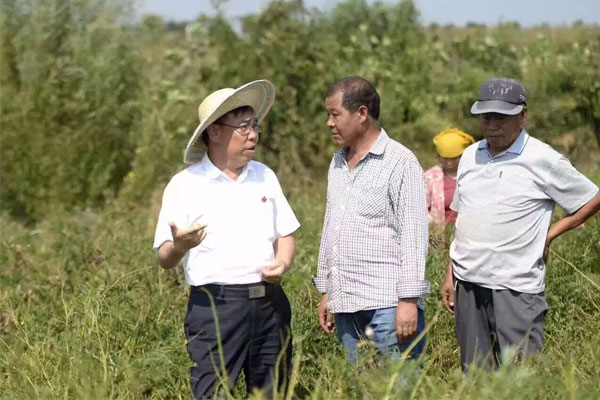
[334,248]
[342,207]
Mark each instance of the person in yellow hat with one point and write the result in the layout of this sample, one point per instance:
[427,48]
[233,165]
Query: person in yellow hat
[441,179]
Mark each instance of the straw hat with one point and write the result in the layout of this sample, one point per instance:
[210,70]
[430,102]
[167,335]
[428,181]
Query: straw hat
[257,94]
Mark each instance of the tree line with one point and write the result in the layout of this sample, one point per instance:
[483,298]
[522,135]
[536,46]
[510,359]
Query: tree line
[97,105]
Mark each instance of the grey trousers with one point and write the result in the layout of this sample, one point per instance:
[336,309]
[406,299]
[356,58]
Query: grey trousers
[489,321]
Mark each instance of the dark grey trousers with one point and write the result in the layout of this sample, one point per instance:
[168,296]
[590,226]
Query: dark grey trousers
[252,335]
[489,321]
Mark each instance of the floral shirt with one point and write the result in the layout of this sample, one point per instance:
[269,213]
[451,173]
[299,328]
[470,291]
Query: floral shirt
[434,182]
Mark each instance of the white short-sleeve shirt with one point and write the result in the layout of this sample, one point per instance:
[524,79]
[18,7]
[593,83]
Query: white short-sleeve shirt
[505,206]
[244,218]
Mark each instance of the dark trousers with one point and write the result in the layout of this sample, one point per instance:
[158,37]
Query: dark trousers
[490,321]
[252,334]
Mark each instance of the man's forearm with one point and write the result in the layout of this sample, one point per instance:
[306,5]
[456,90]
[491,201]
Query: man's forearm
[449,271]
[285,247]
[574,220]
[169,256]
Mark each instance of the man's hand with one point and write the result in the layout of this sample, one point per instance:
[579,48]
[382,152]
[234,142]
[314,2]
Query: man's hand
[447,292]
[406,319]
[273,273]
[170,253]
[325,317]
[185,239]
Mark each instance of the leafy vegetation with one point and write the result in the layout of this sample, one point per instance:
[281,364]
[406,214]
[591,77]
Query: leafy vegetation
[95,114]
[84,88]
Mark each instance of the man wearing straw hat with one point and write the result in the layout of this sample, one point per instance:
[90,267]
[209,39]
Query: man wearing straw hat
[226,217]
[507,186]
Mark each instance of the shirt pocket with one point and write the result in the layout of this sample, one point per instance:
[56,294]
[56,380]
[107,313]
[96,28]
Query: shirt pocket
[514,190]
[264,218]
[372,201]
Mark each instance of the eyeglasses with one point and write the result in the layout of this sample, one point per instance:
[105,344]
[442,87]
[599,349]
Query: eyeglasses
[243,129]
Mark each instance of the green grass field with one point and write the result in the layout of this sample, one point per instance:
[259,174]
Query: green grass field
[96,109]
[86,312]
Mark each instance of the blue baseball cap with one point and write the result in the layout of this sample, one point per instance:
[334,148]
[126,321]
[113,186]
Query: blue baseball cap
[500,95]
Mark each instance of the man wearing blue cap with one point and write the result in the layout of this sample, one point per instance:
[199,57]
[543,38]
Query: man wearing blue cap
[507,186]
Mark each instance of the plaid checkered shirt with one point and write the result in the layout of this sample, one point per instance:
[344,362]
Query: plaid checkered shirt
[374,245]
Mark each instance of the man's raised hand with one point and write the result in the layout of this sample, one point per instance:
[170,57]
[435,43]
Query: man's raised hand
[187,238]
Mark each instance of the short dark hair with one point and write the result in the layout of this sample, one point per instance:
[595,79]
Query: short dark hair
[357,91]
[235,112]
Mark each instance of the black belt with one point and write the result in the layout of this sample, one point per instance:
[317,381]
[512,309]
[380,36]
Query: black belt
[246,290]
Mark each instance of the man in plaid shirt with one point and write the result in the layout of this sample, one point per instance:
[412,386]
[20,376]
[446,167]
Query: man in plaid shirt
[371,268]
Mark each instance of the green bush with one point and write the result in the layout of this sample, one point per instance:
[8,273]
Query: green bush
[95,107]
[70,104]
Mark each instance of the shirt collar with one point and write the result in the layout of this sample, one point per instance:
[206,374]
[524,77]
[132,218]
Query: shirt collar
[379,146]
[213,173]
[516,148]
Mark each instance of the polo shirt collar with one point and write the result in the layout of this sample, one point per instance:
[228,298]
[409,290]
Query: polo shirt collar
[213,173]
[516,148]
[519,144]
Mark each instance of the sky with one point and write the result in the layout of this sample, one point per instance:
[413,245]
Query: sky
[457,12]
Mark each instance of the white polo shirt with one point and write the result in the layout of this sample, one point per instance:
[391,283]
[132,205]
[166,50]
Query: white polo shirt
[505,206]
[244,218]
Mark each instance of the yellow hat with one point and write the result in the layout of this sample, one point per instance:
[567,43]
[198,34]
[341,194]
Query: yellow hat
[451,142]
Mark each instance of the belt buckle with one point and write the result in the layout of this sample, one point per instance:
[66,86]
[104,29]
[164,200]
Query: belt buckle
[256,292]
